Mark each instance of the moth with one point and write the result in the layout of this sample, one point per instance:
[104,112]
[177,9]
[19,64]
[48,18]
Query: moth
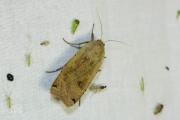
[77,74]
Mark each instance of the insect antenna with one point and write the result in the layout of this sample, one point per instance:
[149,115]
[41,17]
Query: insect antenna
[117,41]
[100,23]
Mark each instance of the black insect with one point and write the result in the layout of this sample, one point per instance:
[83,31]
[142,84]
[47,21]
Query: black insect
[10,77]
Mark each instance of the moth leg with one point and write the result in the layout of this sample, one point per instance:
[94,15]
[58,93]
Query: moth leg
[76,45]
[55,70]
[92,34]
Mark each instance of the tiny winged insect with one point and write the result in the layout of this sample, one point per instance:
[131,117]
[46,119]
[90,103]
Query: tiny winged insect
[96,88]
[158,108]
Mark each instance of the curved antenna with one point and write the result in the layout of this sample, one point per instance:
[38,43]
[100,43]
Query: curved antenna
[117,41]
[55,70]
[100,23]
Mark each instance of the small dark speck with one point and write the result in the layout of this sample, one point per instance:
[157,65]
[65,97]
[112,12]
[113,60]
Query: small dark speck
[73,100]
[102,87]
[10,77]
[158,108]
[79,83]
[167,68]
[54,85]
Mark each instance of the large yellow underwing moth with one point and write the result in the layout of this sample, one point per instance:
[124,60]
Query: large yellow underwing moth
[79,71]
[77,74]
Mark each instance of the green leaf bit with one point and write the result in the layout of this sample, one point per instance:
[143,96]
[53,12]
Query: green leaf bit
[178,14]
[9,103]
[29,60]
[75,24]
[142,84]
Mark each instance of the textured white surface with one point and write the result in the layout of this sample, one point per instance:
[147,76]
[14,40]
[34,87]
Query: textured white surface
[150,28]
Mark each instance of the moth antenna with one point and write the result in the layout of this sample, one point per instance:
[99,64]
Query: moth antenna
[100,23]
[117,41]
[92,34]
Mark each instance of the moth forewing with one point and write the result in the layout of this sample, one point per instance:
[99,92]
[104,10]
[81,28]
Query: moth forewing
[78,73]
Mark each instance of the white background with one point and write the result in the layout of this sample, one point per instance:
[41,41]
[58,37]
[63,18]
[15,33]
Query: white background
[150,29]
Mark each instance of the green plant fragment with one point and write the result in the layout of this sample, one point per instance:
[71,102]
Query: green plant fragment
[9,103]
[29,60]
[142,84]
[178,14]
[75,25]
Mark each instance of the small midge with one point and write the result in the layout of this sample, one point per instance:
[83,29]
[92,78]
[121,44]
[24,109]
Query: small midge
[158,108]
[45,43]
